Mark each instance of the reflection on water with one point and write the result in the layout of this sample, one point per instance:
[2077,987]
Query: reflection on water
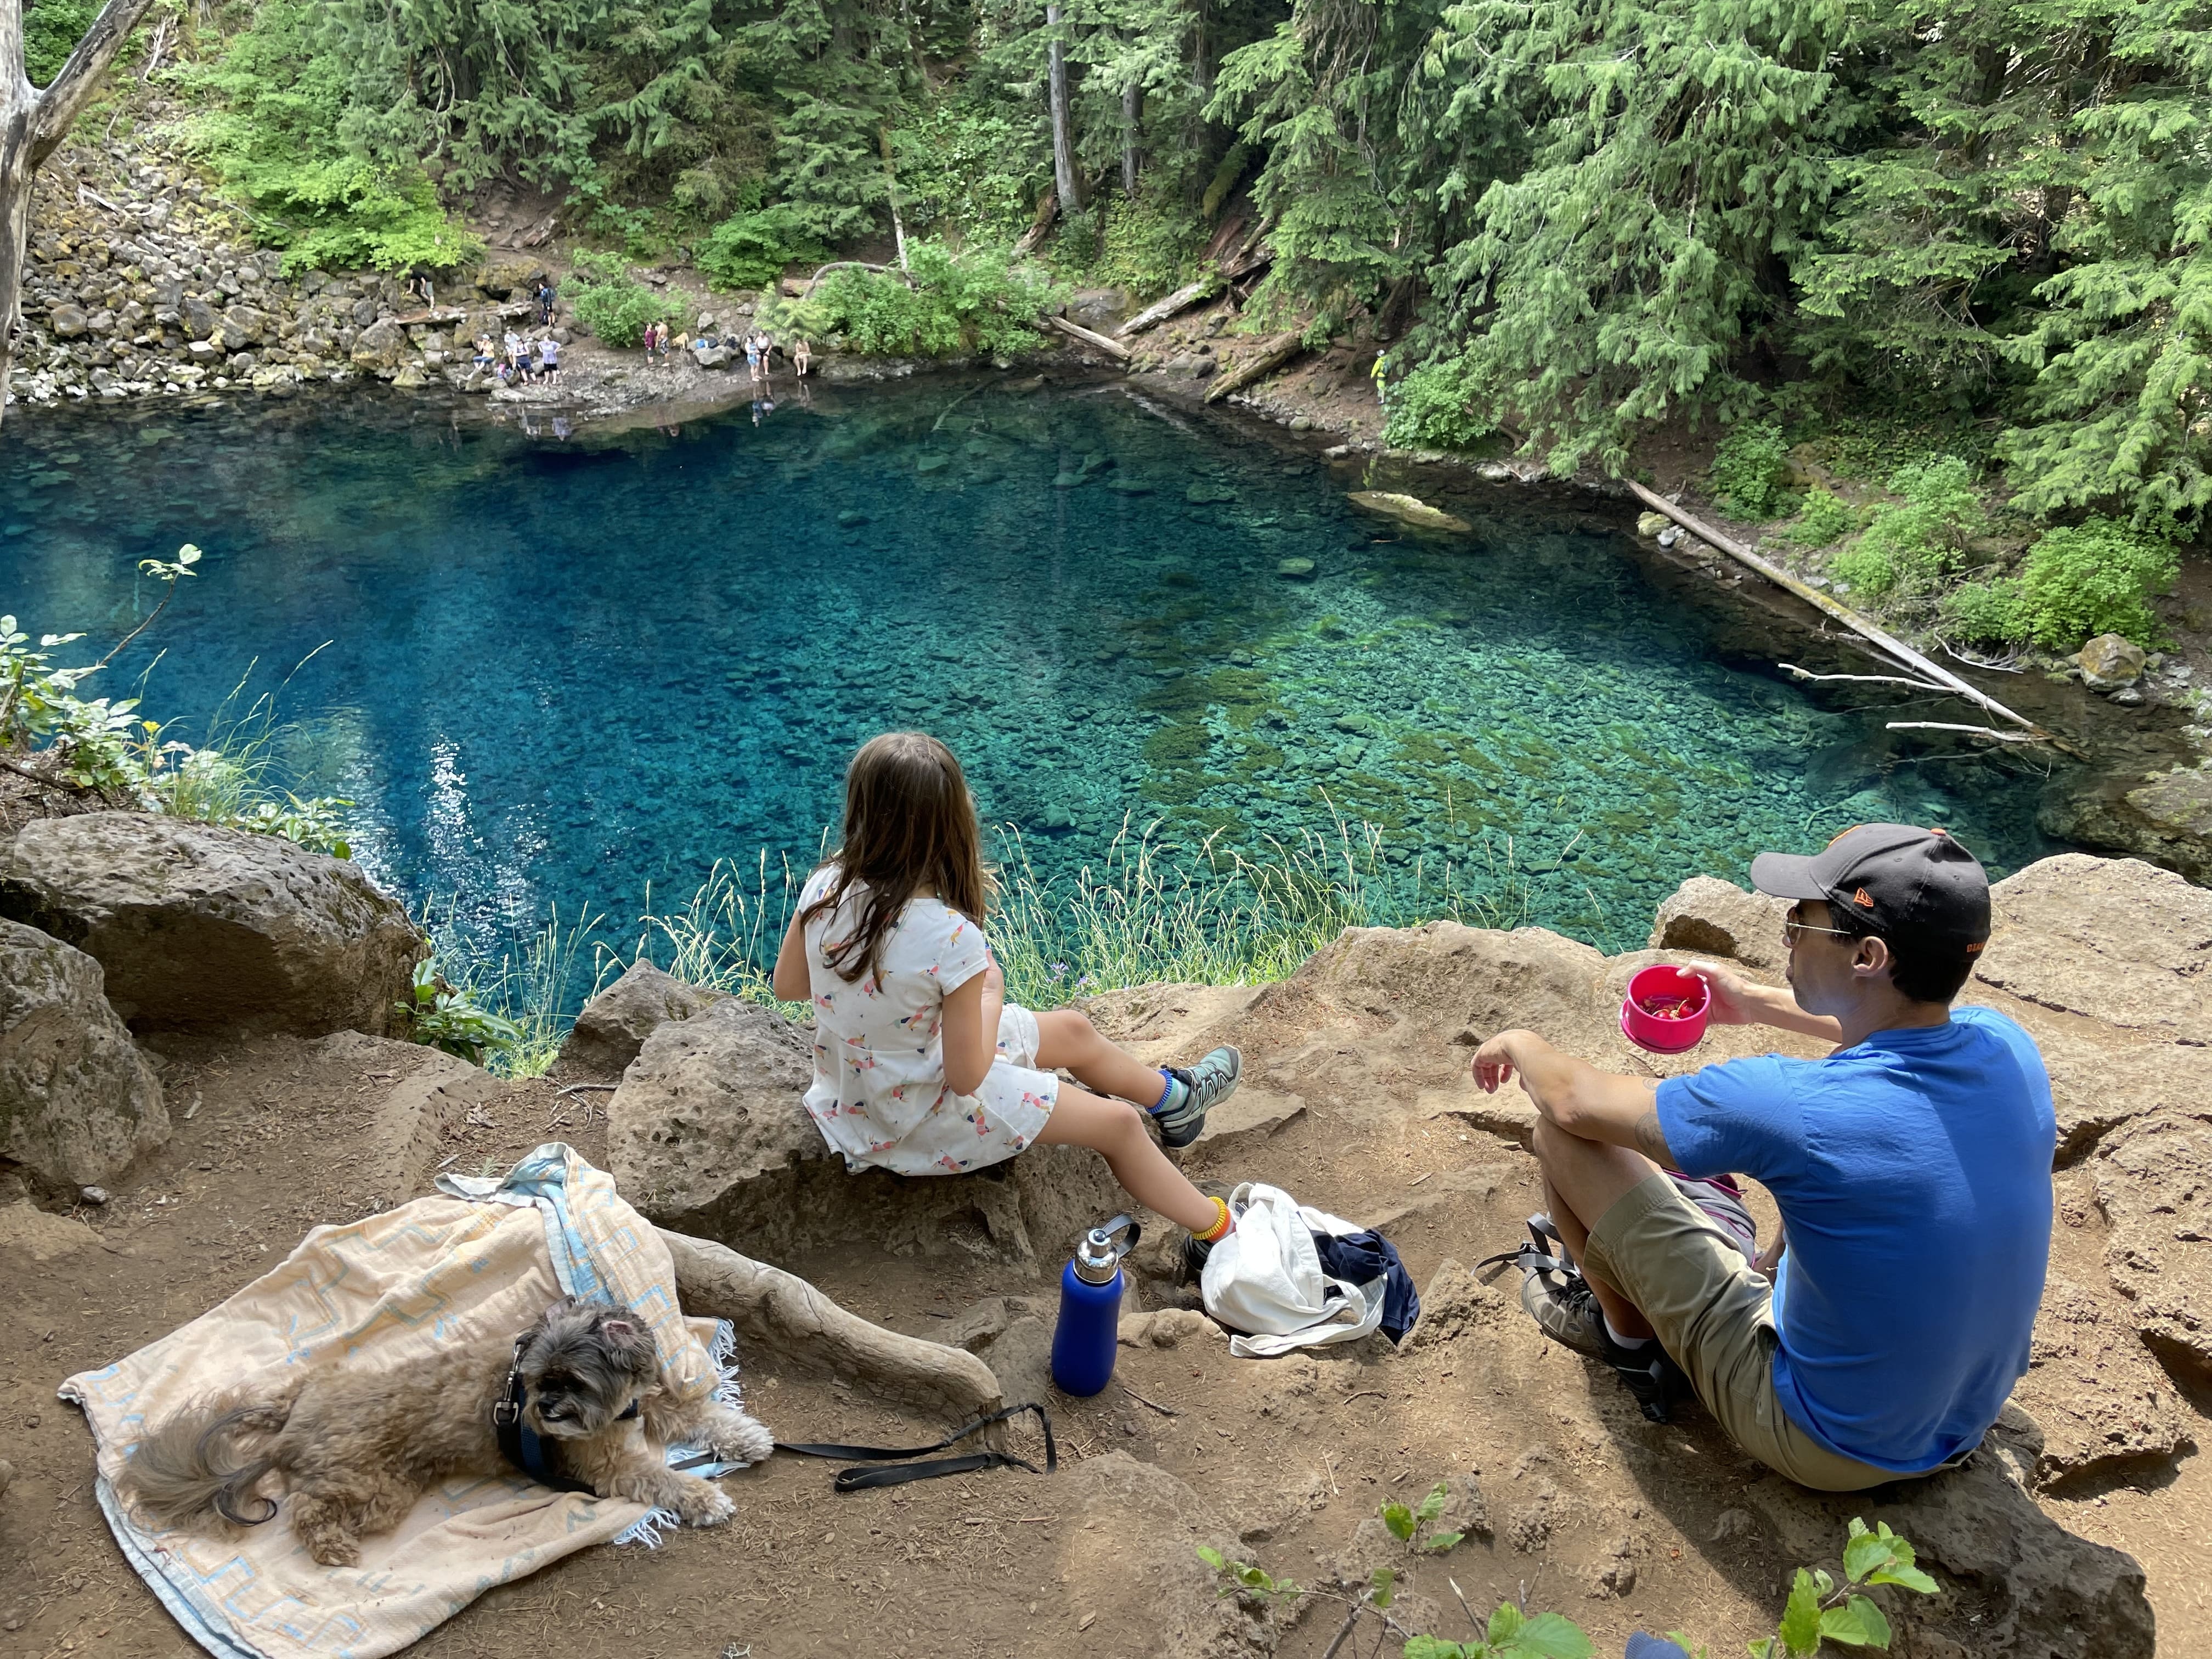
[559,663]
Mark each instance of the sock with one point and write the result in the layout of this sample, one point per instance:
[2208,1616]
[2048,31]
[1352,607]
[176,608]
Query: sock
[1172,1094]
[1624,1341]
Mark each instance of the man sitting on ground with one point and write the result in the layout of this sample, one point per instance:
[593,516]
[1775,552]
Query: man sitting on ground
[1912,1166]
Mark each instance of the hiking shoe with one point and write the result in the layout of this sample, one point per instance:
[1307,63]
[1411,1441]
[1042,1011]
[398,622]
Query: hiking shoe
[1205,1085]
[1566,1309]
[1649,1374]
[1195,1251]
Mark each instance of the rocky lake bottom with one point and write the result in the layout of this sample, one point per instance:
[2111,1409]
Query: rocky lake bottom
[551,664]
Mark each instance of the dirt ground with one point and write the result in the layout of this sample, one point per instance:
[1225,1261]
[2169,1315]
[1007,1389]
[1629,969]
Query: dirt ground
[1621,1524]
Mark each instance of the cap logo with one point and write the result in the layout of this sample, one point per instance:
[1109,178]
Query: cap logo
[1976,950]
[1863,899]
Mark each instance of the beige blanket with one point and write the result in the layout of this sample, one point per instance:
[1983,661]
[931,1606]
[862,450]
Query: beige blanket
[484,1262]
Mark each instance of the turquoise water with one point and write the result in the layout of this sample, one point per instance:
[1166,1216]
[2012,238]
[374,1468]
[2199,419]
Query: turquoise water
[551,666]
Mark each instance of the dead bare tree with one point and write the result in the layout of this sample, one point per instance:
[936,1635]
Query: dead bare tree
[33,124]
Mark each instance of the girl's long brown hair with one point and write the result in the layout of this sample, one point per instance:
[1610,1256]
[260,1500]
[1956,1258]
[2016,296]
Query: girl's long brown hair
[909,825]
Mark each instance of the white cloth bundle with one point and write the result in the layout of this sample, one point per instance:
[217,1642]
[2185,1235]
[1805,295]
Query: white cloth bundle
[1266,1281]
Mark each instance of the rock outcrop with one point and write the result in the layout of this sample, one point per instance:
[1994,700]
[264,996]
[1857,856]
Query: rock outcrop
[1715,918]
[2154,1184]
[2116,939]
[708,1134]
[77,1100]
[614,1024]
[202,928]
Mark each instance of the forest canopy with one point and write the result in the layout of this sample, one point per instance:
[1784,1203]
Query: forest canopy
[1571,219]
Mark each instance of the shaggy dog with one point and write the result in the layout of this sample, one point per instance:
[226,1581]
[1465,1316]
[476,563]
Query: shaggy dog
[356,1449]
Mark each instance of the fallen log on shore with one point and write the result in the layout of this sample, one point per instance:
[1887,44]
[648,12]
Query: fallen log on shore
[1160,310]
[1113,349]
[1943,679]
[1271,357]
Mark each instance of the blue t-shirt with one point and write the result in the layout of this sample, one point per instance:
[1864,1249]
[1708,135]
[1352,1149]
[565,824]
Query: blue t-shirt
[1913,1174]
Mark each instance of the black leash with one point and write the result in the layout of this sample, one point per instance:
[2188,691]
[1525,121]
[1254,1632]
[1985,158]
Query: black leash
[868,1479]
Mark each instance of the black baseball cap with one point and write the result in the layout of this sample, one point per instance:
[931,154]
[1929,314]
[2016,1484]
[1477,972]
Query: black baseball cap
[1903,883]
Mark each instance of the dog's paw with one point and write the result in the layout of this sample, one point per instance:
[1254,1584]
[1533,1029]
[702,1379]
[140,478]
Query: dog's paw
[702,1504]
[332,1550]
[741,1439]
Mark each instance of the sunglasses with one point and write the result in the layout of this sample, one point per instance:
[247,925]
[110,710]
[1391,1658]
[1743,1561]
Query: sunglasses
[1793,929]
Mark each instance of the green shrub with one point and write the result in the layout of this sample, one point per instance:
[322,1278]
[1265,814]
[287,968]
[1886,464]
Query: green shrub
[1988,612]
[270,128]
[750,250]
[2096,577]
[614,306]
[970,163]
[1151,245]
[1824,520]
[51,29]
[1436,407]
[1751,472]
[1914,545]
[947,303]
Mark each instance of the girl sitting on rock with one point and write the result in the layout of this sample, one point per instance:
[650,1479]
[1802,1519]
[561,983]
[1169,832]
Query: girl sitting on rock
[920,1064]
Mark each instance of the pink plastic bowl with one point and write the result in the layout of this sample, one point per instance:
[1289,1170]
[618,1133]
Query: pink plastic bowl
[1665,1037]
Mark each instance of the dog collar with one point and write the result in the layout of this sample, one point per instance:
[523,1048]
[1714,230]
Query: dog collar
[523,1446]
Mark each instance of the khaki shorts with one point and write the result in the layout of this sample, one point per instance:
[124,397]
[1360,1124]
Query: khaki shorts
[1715,1317]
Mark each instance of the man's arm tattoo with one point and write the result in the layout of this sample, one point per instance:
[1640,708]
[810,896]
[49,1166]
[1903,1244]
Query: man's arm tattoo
[1651,1140]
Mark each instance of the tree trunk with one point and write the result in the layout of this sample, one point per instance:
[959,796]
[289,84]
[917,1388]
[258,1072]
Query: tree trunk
[1130,94]
[32,123]
[1067,183]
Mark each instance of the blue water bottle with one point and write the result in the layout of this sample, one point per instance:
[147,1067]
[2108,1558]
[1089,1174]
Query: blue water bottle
[1090,1309]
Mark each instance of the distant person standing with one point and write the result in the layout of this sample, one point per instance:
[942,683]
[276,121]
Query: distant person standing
[514,343]
[753,354]
[546,295]
[651,334]
[802,358]
[548,358]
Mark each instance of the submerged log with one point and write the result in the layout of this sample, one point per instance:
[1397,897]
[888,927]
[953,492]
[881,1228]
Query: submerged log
[1113,349]
[1865,628]
[1266,361]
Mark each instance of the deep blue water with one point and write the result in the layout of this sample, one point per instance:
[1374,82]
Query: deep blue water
[555,668]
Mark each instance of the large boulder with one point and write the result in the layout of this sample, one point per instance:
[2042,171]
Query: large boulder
[1716,918]
[378,345]
[2099,1399]
[709,1134]
[77,1100]
[2154,1184]
[614,1024]
[2116,939]
[202,928]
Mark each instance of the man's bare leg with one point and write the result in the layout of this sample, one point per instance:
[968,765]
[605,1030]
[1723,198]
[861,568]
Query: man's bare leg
[1583,1179]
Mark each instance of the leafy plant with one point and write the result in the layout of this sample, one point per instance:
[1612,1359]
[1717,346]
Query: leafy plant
[1751,471]
[1512,1634]
[1912,546]
[1823,519]
[442,1015]
[1246,1579]
[615,306]
[2096,577]
[1437,406]
[1407,1525]
[1985,611]
[944,303]
[1820,1610]
[750,250]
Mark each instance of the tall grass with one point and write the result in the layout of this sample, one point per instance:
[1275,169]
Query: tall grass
[1151,909]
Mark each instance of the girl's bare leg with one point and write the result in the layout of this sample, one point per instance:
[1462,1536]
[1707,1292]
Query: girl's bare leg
[1117,1130]
[1067,1041]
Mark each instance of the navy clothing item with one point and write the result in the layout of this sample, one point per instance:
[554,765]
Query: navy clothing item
[1363,1257]
[1913,1174]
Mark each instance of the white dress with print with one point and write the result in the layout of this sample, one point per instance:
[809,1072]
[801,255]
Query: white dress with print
[880,1094]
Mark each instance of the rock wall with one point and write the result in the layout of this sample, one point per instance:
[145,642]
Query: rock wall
[140,282]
